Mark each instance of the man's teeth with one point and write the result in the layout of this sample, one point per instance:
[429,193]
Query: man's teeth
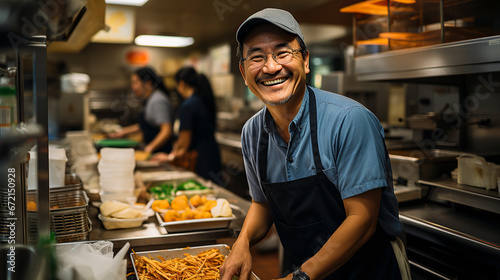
[274,82]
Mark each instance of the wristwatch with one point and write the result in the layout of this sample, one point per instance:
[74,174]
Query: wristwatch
[298,274]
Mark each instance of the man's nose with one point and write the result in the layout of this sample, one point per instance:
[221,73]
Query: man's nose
[271,66]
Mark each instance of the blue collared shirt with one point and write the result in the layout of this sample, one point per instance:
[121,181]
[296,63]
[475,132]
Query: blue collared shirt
[351,146]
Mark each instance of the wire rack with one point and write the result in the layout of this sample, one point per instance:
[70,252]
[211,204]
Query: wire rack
[68,215]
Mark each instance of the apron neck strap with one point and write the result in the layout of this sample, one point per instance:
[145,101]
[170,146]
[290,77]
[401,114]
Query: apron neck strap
[313,121]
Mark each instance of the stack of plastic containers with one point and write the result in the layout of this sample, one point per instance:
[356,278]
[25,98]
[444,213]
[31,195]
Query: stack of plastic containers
[116,174]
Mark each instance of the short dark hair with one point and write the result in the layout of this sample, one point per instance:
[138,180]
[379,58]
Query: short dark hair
[147,74]
[239,50]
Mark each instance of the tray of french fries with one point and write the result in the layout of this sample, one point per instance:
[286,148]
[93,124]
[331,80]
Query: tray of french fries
[193,214]
[201,262]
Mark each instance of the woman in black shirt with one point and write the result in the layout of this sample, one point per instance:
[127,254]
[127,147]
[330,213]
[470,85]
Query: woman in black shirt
[195,125]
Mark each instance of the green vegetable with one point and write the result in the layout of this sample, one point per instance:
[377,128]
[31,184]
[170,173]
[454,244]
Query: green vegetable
[190,185]
[167,191]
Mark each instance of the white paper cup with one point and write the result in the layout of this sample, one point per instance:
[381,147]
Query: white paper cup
[57,166]
[32,171]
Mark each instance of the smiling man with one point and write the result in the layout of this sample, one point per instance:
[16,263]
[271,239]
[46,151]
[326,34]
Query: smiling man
[316,165]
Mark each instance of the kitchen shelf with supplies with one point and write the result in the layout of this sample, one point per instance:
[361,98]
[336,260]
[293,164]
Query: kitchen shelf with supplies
[27,57]
[400,39]
[449,190]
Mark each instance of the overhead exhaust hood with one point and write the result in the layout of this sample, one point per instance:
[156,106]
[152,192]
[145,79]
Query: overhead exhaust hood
[68,25]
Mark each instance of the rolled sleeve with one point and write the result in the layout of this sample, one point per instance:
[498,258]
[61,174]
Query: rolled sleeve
[361,157]
[249,152]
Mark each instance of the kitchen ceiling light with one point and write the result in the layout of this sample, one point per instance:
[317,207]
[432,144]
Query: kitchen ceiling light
[127,2]
[163,41]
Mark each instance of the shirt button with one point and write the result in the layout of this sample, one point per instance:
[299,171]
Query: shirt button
[290,160]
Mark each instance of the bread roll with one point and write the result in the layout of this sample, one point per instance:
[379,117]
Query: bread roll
[111,206]
[127,213]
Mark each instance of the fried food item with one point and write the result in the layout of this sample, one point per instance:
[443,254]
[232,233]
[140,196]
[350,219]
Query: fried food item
[160,204]
[31,206]
[180,203]
[171,216]
[195,200]
[208,205]
[187,215]
[205,265]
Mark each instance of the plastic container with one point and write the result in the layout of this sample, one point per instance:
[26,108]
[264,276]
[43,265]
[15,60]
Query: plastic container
[475,171]
[75,83]
[112,223]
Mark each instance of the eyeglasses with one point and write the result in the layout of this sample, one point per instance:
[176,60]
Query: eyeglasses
[282,56]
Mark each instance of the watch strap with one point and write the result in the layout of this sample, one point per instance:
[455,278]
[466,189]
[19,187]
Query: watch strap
[298,274]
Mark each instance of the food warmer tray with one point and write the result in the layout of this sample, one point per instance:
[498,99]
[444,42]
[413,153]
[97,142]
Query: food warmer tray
[180,253]
[195,224]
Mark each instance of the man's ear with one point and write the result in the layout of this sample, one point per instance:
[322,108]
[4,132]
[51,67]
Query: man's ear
[242,71]
[306,62]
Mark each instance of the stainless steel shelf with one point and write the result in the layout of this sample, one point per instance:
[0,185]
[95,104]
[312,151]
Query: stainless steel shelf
[449,190]
[448,59]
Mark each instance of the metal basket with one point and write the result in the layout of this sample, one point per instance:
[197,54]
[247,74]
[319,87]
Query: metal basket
[68,215]
[73,237]
[69,221]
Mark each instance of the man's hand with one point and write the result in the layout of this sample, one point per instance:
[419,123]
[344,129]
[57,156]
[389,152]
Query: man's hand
[115,135]
[162,157]
[239,262]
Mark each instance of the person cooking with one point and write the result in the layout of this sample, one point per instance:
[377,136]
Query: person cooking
[197,121]
[155,121]
[316,165]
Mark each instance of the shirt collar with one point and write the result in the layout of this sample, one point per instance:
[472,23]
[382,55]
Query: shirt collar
[297,123]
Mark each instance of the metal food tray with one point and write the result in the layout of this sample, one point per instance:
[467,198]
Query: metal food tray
[195,224]
[180,253]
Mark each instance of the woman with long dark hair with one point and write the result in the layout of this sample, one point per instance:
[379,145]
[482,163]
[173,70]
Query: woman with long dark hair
[155,122]
[195,125]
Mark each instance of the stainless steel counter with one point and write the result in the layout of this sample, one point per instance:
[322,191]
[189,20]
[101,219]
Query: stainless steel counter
[151,236]
[449,239]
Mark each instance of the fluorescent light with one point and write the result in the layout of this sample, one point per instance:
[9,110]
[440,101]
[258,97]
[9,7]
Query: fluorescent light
[163,41]
[127,2]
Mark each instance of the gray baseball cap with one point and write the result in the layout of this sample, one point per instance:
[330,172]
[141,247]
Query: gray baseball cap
[280,18]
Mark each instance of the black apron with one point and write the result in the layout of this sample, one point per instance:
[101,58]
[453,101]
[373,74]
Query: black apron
[307,211]
[149,133]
